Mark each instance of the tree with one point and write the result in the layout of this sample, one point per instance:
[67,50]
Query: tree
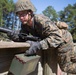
[6,7]
[51,13]
[69,16]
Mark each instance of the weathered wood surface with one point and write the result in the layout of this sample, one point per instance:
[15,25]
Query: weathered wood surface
[48,60]
[4,44]
[7,52]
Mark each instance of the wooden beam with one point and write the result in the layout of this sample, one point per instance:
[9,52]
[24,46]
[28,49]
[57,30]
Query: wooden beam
[7,52]
[4,44]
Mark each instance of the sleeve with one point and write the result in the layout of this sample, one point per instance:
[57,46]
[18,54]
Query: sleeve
[19,36]
[54,37]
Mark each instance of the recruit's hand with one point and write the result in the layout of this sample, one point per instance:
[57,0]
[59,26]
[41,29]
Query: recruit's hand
[34,47]
[13,36]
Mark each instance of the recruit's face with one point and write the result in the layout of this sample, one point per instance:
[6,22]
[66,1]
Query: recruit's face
[24,16]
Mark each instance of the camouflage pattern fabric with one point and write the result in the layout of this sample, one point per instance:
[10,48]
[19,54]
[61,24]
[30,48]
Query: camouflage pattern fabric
[52,36]
[61,25]
[24,5]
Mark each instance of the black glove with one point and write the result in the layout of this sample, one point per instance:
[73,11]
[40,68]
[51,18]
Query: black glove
[34,47]
[23,37]
[13,36]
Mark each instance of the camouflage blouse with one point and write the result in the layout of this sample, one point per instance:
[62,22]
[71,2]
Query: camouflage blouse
[47,30]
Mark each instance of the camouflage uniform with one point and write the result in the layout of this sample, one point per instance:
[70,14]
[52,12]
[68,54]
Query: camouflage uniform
[53,37]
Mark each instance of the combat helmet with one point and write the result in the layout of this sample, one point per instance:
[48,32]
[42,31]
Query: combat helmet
[24,5]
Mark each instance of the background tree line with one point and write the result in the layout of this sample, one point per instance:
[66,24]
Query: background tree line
[6,7]
[8,19]
[68,15]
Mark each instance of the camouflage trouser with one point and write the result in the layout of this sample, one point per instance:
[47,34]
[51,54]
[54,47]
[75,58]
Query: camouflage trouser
[65,55]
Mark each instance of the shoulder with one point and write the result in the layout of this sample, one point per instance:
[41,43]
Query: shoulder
[41,18]
[44,21]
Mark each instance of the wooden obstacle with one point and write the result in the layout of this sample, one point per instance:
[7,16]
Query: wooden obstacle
[48,58]
[7,52]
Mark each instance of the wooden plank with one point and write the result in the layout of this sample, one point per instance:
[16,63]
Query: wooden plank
[6,56]
[4,44]
[7,52]
[49,62]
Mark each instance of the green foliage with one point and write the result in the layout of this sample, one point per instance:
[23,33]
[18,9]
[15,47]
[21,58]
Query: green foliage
[6,6]
[51,13]
[69,16]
